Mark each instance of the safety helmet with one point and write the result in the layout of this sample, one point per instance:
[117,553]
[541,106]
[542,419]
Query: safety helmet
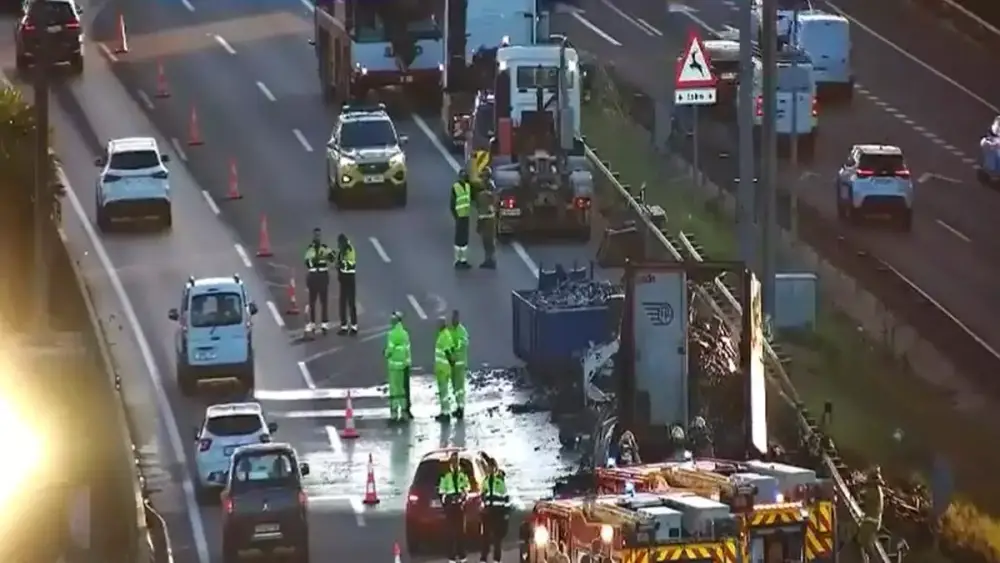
[396,316]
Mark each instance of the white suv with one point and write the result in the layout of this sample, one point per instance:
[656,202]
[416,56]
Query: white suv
[226,427]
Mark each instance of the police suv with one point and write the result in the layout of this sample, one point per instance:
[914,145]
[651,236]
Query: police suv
[365,158]
[133,183]
[214,339]
[875,182]
[226,427]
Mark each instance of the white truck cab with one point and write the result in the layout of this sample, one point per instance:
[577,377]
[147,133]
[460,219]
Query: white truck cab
[525,72]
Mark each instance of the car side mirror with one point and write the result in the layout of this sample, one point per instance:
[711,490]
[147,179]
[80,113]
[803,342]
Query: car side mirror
[253,308]
[331,145]
[403,139]
[165,157]
[304,469]
[174,314]
[272,427]
[197,434]
[99,161]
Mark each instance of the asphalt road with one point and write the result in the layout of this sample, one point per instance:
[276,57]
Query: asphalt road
[920,86]
[258,105]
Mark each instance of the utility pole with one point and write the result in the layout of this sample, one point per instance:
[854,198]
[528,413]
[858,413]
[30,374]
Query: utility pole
[769,157]
[793,42]
[746,215]
[42,189]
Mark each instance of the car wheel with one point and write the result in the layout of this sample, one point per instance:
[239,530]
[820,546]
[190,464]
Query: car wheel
[249,381]
[302,553]
[399,199]
[187,384]
[103,220]
[167,221]
[229,553]
[76,63]
[22,63]
[413,545]
[906,221]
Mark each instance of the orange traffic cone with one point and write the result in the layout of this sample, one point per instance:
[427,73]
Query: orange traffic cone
[194,132]
[162,89]
[293,304]
[371,497]
[234,181]
[350,432]
[264,247]
[122,46]
[396,557]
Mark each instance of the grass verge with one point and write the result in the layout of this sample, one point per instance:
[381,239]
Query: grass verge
[875,398]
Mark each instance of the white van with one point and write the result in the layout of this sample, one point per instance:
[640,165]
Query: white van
[827,39]
[798,110]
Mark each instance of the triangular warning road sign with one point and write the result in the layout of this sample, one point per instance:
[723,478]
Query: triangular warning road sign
[694,69]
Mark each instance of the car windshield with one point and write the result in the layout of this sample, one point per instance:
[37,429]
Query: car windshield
[882,163]
[430,470]
[234,425]
[367,133]
[264,469]
[134,160]
[216,309]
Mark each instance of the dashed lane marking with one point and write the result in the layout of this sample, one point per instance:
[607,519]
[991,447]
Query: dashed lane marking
[278,319]
[333,436]
[953,230]
[266,91]
[108,52]
[225,44]
[178,149]
[641,24]
[381,251]
[359,511]
[593,27]
[416,307]
[210,201]
[188,5]
[302,140]
[306,376]
[244,257]
[145,99]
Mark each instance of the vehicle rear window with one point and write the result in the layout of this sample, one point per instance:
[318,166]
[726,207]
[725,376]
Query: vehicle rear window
[882,164]
[57,12]
[726,69]
[429,473]
[800,5]
[234,425]
[265,469]
[216,309]
[134,160]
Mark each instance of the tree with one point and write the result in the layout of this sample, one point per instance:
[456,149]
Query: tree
[17,180]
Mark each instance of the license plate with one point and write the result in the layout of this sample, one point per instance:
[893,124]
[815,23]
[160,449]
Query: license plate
[510,212]
[267,528]
[406,78]
[374,179]
[54,28]
[435,504]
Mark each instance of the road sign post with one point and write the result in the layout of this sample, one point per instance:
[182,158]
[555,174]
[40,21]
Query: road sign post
[694,85]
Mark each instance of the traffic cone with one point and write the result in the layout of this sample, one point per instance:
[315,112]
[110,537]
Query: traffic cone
[122,46]
[234,182]
[162,89]
[350,432]
[194,132]
[396,557]
[293,304]
[371,497]
[264,247]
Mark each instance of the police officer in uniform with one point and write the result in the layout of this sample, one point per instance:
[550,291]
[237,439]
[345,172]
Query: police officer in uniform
[486,218]
[461,205]
[496,510]
[347,263]
[318,257]
[453,488]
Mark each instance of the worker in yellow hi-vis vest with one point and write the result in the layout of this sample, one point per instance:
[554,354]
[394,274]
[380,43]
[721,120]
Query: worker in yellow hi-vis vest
[461,205]
[477,164]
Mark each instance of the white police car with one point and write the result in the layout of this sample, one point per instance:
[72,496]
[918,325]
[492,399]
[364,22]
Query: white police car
[225,428]
[214,339]
[874,181]
[134,183]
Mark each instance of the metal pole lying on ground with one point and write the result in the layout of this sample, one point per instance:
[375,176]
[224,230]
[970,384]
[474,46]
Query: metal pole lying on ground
[769,161]
[746,216]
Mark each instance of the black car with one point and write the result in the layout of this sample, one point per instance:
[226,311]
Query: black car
[61,23]
[264,503]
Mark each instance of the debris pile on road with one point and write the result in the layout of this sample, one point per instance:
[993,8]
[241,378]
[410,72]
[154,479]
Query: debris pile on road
[713,364]
[575,294]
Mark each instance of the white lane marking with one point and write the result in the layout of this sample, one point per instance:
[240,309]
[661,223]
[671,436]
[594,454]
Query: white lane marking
[416,306]
[152,369]
[702,23]
[225,44]
[243,255]
[916,60]
[643,28]
[264,90]
[381,251]
[309,5]
[367,335]
[446,154]
[334,438]
[145,99]
[108,52]
[178,149]
[954,5]
[593,27]
[302,140]
[188,5]
[359,511]
[649,26]
[210,202]
[306,376]
[278,319]
[953,230]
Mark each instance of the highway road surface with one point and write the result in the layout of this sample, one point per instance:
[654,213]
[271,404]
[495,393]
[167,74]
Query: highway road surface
[920,85]
[248,71]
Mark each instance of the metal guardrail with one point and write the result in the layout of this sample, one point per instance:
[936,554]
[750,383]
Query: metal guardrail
[722,300]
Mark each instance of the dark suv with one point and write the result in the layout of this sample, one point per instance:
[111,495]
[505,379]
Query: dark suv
[65,35]
[264,503]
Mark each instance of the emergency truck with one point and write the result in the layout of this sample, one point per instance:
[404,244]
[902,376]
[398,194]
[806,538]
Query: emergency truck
[363,46]
[631,528]
[787,497]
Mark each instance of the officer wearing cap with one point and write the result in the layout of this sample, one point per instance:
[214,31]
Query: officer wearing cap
[486,218]
[453,488]
[318,257]
[496,511]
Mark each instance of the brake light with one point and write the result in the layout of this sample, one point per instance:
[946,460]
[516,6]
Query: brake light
[581,202]
[73,25]
[815,107]
[866,173]
[903,173]
[204,444]
[227,505]
[508,203]
[413,499]
[759,106]
[25,26]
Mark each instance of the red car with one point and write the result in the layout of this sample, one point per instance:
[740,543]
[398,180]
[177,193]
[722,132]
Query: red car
[425,518]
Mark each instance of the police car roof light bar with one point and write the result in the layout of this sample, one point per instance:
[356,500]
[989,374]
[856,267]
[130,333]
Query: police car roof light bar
[363,108]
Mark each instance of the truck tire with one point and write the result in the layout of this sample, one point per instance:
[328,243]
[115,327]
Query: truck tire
[103,220]
[188,385]
[229,553]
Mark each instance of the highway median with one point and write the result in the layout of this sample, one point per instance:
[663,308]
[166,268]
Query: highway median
[867,357]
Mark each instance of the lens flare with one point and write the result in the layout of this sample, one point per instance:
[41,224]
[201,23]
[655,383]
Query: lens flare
[26,451]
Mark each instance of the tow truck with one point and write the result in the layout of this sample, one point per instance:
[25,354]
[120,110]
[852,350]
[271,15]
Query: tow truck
[364,46]
[543,179]
[475,30]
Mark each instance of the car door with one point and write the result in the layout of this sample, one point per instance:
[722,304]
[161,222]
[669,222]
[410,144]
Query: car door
[182,320]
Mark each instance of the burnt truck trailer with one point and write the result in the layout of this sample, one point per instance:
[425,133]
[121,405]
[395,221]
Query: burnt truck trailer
[367,45]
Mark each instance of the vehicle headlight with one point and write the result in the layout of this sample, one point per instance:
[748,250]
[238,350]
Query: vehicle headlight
[397,159]
[541,536]
[607,533]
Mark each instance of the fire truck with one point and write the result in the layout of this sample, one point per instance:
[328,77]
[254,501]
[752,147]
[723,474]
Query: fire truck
[784,496]
[631,528]
[363,46]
